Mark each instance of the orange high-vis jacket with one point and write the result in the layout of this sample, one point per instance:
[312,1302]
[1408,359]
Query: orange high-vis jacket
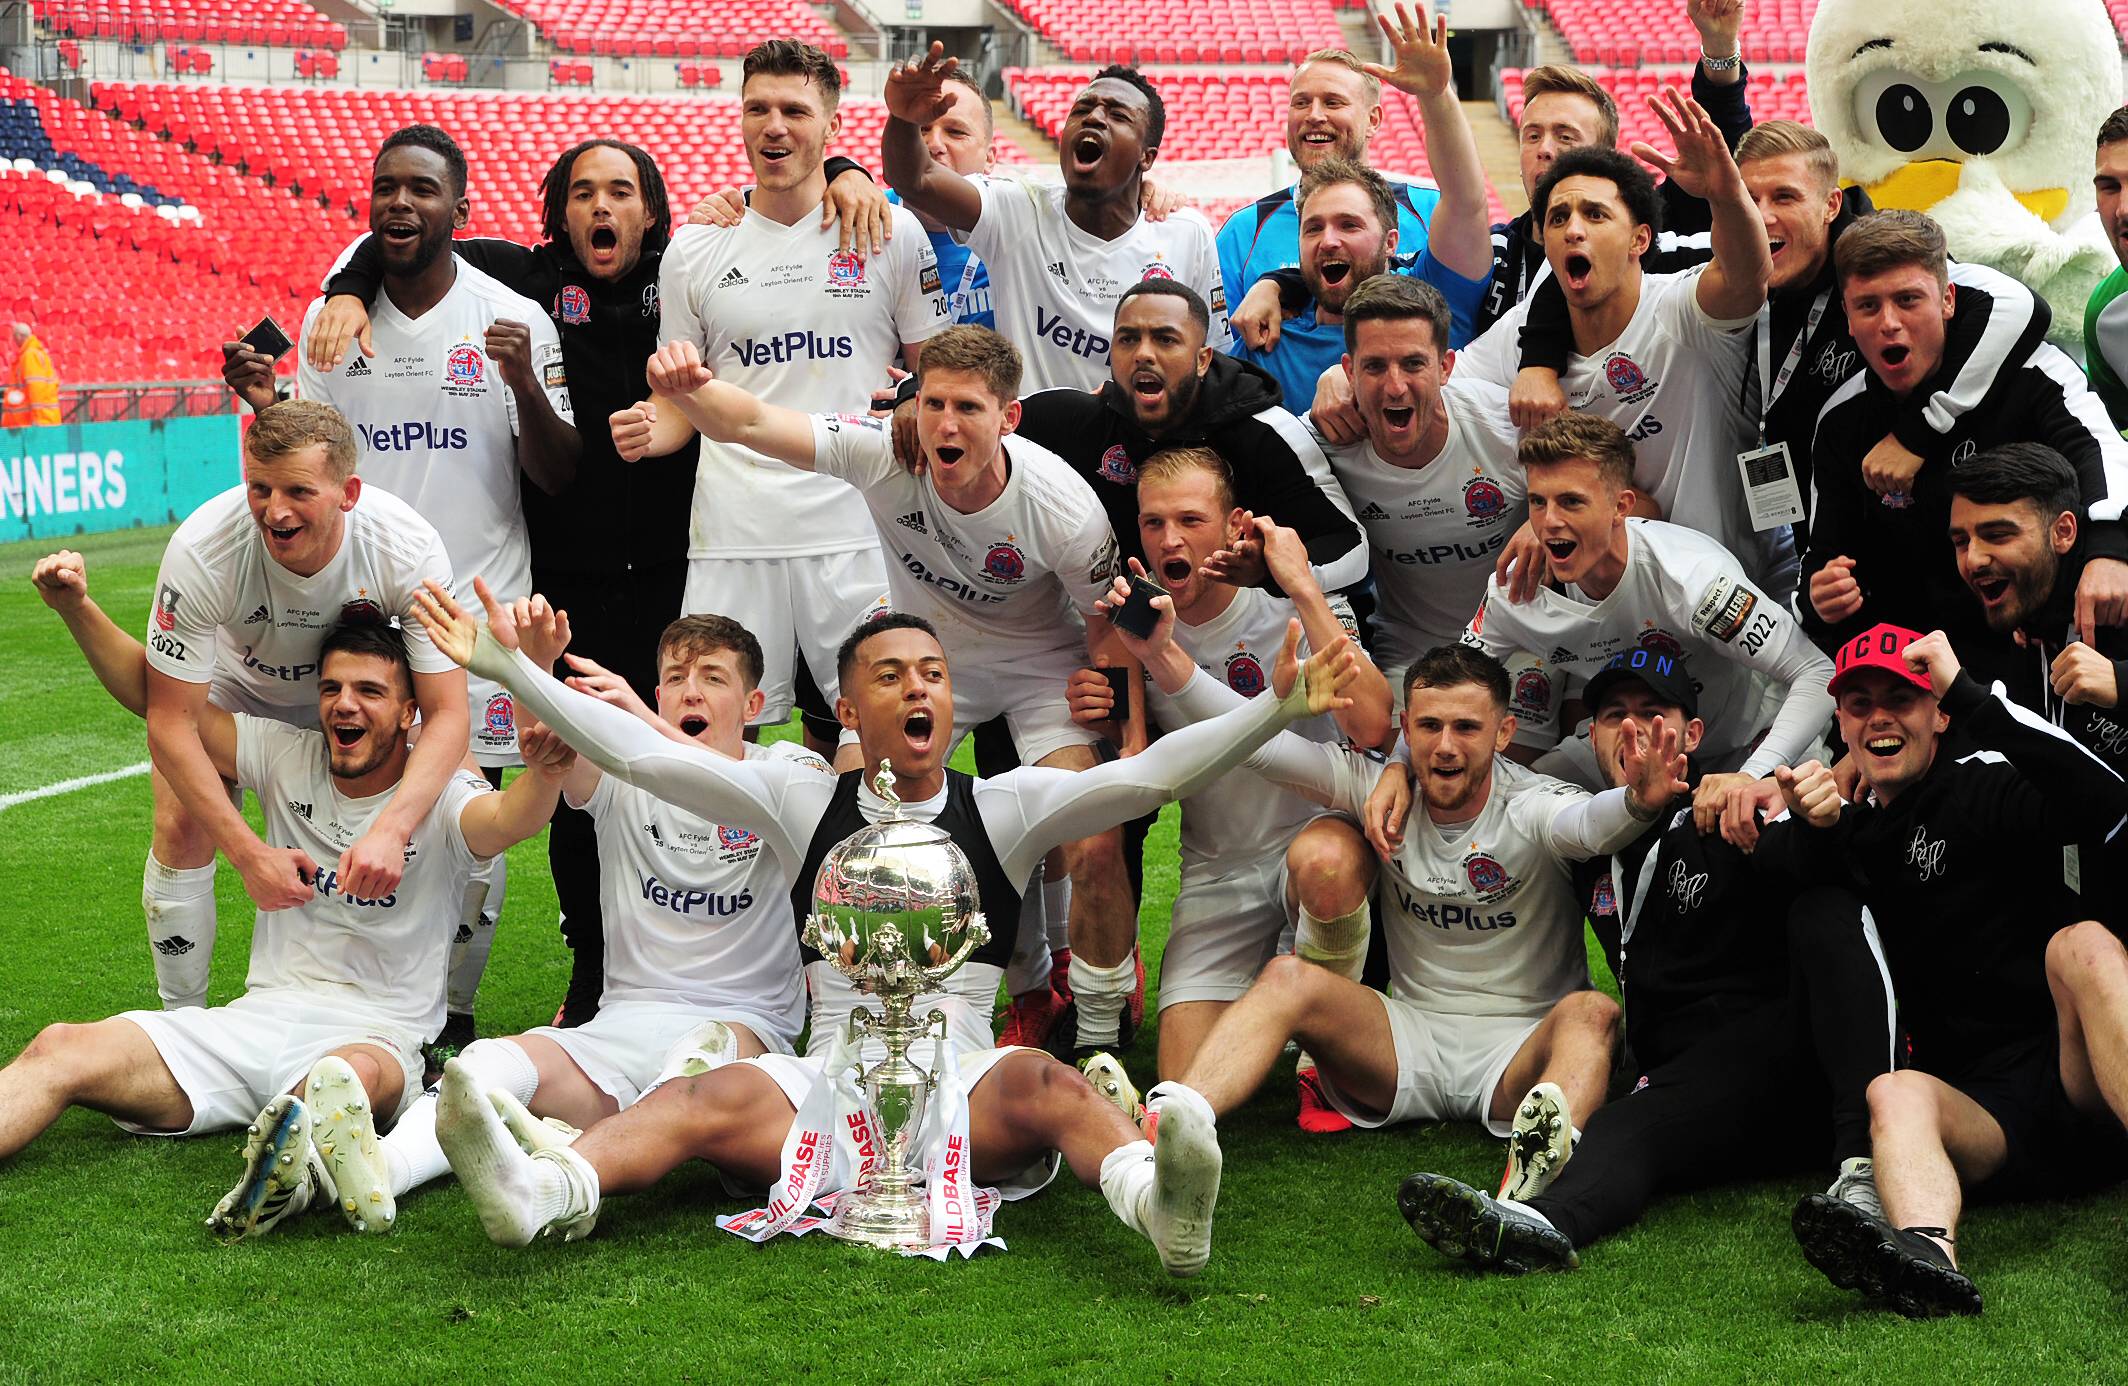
[32,389]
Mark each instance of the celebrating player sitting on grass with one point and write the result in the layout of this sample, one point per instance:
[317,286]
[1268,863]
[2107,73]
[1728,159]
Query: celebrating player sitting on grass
[1489,992]
[757,1120]
[343,989]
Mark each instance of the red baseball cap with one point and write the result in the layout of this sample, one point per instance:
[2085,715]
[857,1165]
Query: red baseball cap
[1879,647]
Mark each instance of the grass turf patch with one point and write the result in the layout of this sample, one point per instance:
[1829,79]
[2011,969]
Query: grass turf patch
[109,1275]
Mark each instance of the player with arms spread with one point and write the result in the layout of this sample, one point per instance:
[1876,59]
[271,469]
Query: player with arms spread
[897,696]
[1489,993]
[1004,548]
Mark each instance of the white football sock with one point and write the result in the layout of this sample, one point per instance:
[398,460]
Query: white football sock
[476,933]
[1056,912]
[412,1156]
[571,1193]
[1339,945]
[1127,1183]
[179,906]
[1101,993]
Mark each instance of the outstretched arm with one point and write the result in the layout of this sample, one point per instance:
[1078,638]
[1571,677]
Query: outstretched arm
[1733,285]
[1459,234]
[1043,808]
[725,413]
[750,794]
[494,823]
[916,93]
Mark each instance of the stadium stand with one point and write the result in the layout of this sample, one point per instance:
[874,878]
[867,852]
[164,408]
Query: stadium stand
[1216,31]
[1216,113]
[272,23]
[319,140]
[140,255]
[1623,33]
[139,232]
[1774,96]
[675,28]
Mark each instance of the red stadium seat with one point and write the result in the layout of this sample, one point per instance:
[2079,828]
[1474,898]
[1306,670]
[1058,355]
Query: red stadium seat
[710,28]
[1606,32]
[275,23]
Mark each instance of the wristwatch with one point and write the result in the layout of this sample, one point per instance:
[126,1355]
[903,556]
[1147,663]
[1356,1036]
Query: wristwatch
[1714,64]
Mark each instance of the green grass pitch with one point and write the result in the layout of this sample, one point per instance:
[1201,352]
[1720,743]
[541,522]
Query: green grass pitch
[106,1273]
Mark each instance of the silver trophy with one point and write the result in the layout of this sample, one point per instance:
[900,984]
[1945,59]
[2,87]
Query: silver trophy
[894,909]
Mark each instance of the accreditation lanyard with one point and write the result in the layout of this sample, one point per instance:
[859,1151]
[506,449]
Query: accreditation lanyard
[1773,385]
[1630,919]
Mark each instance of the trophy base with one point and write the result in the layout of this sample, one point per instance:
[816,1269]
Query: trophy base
[894,1224]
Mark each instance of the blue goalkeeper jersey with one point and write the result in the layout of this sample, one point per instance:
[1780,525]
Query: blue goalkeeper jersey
[964,275]
[1265,235]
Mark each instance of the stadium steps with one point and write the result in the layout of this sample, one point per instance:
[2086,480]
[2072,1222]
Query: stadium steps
[1500,153]
[1039,148]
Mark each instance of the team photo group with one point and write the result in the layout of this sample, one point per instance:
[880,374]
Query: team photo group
[1704,558]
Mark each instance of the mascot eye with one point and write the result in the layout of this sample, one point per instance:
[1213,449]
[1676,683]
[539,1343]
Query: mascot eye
[1979,121]
[1904,118]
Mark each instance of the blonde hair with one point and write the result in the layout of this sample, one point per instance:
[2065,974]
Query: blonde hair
[1169,465]
[1772,139]
[1557,79]
[289,426]
[1346,59]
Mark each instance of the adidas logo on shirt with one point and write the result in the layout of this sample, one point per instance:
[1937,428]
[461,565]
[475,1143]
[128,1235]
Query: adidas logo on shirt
[1056,267]
[1374,512]
[732,279]
[913,520]
[257,616]
[1562,655]
[358,366]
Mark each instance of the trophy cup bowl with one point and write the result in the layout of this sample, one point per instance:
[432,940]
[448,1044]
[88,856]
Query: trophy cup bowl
[895,911]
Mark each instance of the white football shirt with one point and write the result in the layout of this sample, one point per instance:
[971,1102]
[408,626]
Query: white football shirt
[1244,820]
[226,613]
[437,425]
[1435,532]
[1015,578]
[1681,594]
[698,913]
[386,957]
[1054,287]
[780,312]
[1480,918]
[1680,384]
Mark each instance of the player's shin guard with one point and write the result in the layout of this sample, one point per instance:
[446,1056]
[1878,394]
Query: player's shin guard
[1100,993]
[412,1155]
[180,910]
[1056,912]
[1337,945]
[476,934]
[1029,966]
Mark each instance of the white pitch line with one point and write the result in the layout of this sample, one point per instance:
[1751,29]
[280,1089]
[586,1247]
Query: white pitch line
[8,801]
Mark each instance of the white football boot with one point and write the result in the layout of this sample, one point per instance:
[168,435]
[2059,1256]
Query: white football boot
[346,1140]
[1539,1144]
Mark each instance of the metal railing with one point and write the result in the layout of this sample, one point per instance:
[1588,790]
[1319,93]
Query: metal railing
[147,399]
